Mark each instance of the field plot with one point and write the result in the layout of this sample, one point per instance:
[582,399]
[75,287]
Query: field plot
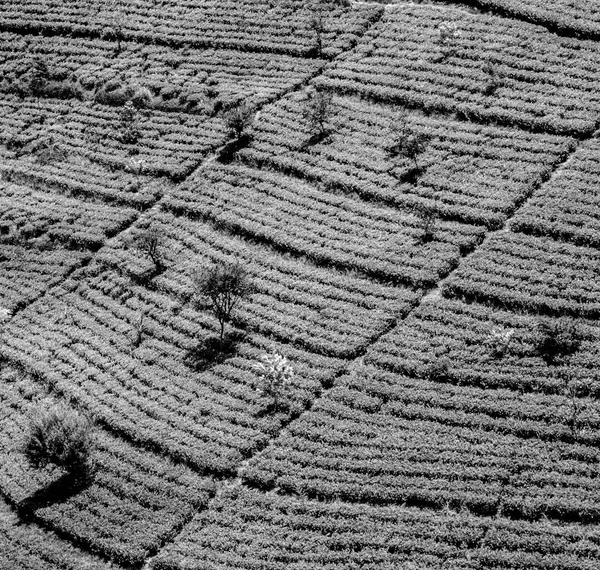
[581,18]
[380,439]
[79,177]
[537,274]
[469,337]
[27,547]
[27,273]
[251,25]
[239,530]
[185,80]
[32,216]
[135,501]
[165,144]
[470,173]
[567,207]
[497,70]
[328,228]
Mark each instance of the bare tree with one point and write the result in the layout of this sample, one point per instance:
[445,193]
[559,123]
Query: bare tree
[224,286]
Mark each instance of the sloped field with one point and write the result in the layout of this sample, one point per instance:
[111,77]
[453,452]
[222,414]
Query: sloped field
[438,304]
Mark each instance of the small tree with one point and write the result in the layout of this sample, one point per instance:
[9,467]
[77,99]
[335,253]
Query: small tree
[224,285]
[60,436]
[317,111]
[276,375]
[557,339]
[238,120]
[407,143]
[150,242]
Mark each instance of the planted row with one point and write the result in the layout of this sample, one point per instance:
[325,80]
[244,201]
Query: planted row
[567,207]
[249,25]
[466,172]
[29,216]
[236,532]
[185,80]
[488,69]
[330,229]
[353,446]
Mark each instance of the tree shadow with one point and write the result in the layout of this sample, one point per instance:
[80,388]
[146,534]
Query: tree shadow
[59,491]
[210,351]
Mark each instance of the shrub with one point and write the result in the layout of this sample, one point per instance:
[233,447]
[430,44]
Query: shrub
[223,285]
[557,339]
[39,75]
[60,436]
[276,375]
[317,112]
[238,120]
[448,34]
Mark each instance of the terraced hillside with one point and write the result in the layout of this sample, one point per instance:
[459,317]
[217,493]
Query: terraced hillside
[424,427]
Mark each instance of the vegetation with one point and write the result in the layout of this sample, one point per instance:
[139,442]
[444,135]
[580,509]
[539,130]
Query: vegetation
[558,339]
[151,243]
[238,120]
[224,286]
[275,375]
[317,112]
[60,436]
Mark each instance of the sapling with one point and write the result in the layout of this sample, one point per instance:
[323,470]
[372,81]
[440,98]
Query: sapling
[448,36]
[317,111]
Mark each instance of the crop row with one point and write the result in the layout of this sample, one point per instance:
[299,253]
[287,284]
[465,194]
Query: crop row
[79,177]
[567,207]
[347,448]
[468,172]
[25,273]
[538,274]
[165,143]
[31,215]
[134,502]
[328,228]
[185,80]
[496,70]
[323,310]
[470,337]
[580,20]
[239,529]
[84,341]
[25,546]
[250,25]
